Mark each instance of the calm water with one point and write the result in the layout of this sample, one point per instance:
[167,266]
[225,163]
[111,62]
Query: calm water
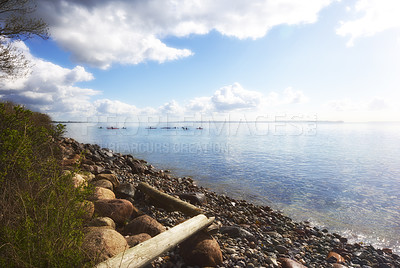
[342,176]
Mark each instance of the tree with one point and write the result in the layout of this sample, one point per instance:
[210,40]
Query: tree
[17,23]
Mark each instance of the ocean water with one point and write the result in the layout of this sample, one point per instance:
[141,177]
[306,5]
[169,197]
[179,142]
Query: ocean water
[340,176]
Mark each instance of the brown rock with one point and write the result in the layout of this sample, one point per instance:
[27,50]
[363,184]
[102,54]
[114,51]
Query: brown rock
[78,181]
[201,250]
[335,257]
[144,224]
[120,210]
[102,193]
[125,190]
[102,221]
[136,239]
[103,183]
[338,265]
[101,244]
[110,177]
[88,209]
[288,263]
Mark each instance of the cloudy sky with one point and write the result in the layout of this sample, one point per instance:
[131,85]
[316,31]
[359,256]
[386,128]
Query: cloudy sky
[309,59]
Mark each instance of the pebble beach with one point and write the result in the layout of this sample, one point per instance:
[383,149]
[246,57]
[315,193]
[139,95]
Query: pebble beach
[248,235]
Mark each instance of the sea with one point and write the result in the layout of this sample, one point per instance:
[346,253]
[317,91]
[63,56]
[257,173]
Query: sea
[341,176]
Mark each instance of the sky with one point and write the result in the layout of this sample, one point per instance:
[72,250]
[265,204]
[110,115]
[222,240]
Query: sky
[214,59]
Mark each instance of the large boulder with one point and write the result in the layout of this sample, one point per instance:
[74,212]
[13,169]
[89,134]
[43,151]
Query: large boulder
[101,244]
[136,239]
[102,193]
[102,221]
[103,183]
[120,210]
[87,209]
[110,177]
[201,250]
[78,180]
[144,224]
[125,190]
[289,263]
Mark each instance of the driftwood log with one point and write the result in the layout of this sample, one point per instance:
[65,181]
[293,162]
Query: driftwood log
[145,252]
[168,201]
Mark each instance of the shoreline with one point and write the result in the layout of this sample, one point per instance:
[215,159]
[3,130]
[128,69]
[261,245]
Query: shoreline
[249,235]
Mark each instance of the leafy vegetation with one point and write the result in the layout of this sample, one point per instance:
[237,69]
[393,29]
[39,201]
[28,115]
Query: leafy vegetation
[40,216]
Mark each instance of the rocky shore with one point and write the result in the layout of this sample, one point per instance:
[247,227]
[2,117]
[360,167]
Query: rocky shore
[244,234]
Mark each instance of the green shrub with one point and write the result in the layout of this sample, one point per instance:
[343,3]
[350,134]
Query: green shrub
[40,220]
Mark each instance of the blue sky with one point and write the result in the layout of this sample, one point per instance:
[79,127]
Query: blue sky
[324,60]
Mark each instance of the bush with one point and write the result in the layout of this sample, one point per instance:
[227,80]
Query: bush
[40,219]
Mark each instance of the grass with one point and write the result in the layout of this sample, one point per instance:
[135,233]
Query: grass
[41,221]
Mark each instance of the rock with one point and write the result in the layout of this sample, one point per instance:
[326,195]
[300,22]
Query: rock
[144,224]
[236,231]
[104,184]
[136,239]
[120,210]
[78,180]
[288,263]
[72,161]
[201,250]
[125,190]
[102,221]
[338,265]
[136,166]
[88,176]
[334,257]
[101,244]
[88,209]
[281,249]
[110,177]
[100,193]
[194,198]
[387,250]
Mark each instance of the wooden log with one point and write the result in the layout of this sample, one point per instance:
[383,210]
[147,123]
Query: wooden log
[169,201]
[145,252]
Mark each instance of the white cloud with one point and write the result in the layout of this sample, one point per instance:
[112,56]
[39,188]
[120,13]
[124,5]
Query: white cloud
[49,87]
[171,108]
[114,107]
[376,16]
[235,97]
[102,33]
[293,97]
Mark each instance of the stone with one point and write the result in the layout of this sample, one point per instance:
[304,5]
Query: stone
[120,210]
[136,166]
[338,265]
[289,263]
[201,250]
[102,221]
[136,239]
[103,183]
[144,224]
[194,198]
[334,257]
[102,193]
[78,181]
[110,177]
[281,249]
[71,161]
[125,190]
[88,209]
[236,231]
[100,244]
